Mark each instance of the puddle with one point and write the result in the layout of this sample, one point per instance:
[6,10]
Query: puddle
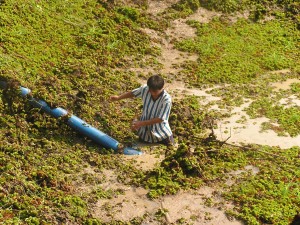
[243,130]
[133,203]
[254,170]
[292,100]
[233,175]
[203,15]
[192,207]
[284,85]
[178,90]
[155,7]
[145,161]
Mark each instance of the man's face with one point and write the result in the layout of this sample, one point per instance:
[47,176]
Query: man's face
[155,93]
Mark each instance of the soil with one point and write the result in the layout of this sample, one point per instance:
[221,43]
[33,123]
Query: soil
[190,206]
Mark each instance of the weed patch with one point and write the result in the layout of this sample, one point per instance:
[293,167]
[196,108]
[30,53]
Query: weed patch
[287,118]
[76,53]
[239,52]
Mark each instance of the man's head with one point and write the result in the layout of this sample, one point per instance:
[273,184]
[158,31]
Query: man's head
[155,82]
[156,85]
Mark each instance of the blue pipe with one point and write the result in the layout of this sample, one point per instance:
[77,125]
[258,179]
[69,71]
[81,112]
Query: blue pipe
[77,124]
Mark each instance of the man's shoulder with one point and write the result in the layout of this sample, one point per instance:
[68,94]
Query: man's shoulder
[167,96]
[141,88]
[144,87]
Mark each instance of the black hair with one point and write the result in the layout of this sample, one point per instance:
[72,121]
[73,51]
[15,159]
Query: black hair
[155,82]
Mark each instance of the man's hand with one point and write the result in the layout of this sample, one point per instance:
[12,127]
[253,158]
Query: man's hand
[135,125]
[114,98]
[122,96]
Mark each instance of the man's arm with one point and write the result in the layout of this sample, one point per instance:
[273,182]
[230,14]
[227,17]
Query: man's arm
[137,124]
[128,94]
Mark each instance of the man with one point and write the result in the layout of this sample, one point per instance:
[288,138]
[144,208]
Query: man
[153,126]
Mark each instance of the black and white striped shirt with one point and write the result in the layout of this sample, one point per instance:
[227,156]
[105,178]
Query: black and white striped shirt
[159,108]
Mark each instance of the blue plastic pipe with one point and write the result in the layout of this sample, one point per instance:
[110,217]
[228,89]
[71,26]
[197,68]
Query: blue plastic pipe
[77,124]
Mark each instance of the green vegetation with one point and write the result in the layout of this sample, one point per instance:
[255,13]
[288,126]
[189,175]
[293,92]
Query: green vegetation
[258,9]
[46,44]
[271,196]
[287,118]
[74,54]
[240,52]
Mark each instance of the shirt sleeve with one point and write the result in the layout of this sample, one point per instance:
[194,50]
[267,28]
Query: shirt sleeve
[165,110]
[138,91]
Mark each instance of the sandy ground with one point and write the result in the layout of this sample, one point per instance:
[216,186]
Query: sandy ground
[249,130]
[188,206]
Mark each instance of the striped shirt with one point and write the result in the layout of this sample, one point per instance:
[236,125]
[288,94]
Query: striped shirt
[159,108]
